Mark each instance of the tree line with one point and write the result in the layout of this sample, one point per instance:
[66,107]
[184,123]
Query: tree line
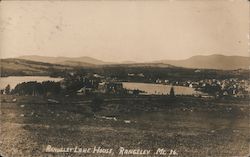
[35,88]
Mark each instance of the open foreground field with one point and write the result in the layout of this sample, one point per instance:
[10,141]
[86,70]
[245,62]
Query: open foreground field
[187,126]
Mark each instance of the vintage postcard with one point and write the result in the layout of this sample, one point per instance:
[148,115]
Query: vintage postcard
[126,78]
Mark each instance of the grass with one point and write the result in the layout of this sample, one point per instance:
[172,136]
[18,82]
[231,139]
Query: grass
[191,126]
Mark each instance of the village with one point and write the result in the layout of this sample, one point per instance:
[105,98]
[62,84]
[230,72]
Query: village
[93,83]
[232,87]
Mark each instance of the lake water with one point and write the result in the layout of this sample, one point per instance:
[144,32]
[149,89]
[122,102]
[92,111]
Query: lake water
[14,80]
[159,89]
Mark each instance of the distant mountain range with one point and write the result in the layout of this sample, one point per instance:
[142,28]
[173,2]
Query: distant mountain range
[212,62]
[84,61]
[202,62]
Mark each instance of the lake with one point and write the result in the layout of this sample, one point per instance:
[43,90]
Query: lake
[159,89]
[14,80]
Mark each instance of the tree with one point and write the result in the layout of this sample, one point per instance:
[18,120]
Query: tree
[212,89]
[7,89]
[136,92]
[172,94]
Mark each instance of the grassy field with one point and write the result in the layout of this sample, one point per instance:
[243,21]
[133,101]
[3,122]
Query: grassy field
[190,126]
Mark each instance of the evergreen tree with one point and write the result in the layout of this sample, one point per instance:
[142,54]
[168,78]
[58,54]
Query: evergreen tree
[172,94]
[7,89]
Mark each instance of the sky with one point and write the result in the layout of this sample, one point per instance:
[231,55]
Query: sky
[124,30]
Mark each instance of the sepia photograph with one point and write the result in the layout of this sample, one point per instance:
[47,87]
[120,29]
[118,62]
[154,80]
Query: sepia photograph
[125,78]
